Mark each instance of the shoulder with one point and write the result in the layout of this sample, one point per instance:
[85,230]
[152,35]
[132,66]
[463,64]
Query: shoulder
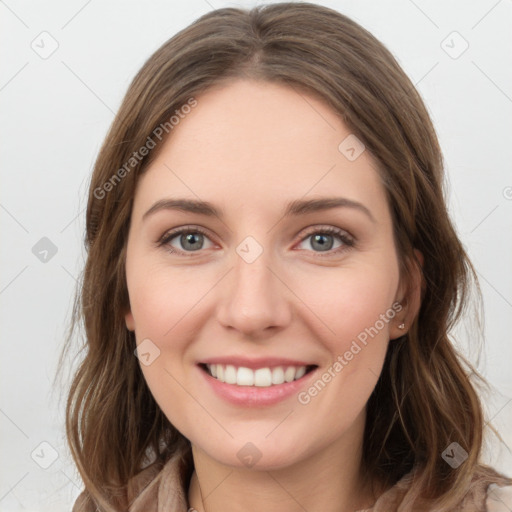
[140,491]
[499,499]
[161,487]
[143,491]
[487,491]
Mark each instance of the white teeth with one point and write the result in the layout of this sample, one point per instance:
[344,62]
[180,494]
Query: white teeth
[244,377]
[277,375]
[300,372]
[262,377]
[289,374]
[230,374]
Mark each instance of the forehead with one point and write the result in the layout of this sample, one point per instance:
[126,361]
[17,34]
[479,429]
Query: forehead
[258,144]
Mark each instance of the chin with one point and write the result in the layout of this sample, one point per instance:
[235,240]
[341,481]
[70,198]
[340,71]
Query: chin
[258,454]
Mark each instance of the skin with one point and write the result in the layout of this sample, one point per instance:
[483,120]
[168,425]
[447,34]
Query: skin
[250,148]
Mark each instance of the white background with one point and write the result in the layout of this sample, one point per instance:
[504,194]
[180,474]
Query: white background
[55,114]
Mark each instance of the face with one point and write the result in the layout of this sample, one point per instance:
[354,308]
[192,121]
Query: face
[256,287]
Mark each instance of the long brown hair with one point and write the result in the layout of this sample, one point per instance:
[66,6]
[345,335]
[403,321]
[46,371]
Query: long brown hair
[424,400]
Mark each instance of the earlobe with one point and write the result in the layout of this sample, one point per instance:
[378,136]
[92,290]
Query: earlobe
[399,327]
[420,257]
[411,301]
[130,322]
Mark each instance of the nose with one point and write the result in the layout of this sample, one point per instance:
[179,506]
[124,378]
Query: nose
[255,301]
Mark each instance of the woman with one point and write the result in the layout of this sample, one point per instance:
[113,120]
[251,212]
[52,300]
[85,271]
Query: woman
[266,233]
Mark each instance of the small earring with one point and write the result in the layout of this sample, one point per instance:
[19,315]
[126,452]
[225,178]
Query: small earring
[401,326]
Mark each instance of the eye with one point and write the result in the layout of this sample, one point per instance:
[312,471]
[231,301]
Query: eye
[189,239]
[323,240]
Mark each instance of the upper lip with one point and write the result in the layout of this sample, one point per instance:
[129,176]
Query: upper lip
[255,363]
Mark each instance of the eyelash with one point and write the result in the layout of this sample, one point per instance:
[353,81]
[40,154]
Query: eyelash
[348,242]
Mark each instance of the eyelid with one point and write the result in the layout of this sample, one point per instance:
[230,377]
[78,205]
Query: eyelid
[169,235]
[347,239]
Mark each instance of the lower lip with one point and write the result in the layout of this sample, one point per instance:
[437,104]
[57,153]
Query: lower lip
[253,396]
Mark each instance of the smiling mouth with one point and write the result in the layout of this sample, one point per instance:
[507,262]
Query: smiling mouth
[260,377]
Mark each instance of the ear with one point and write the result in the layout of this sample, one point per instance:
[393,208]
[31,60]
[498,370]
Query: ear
[409,295]
[130,322]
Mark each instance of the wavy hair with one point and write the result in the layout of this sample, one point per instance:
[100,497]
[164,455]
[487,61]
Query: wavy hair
[424,399]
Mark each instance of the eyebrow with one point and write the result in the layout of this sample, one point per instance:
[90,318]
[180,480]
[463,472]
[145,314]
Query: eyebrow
[294,208]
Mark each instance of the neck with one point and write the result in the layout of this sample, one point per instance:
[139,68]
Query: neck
[329,480]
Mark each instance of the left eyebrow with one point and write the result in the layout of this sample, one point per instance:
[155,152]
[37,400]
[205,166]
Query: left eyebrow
[294,208]
[302,207]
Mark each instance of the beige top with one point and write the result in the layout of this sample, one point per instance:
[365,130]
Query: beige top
[163,490]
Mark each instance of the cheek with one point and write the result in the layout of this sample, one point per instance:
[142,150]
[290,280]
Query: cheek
[353,302]
[165,304]
[357,308]
[161,299]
